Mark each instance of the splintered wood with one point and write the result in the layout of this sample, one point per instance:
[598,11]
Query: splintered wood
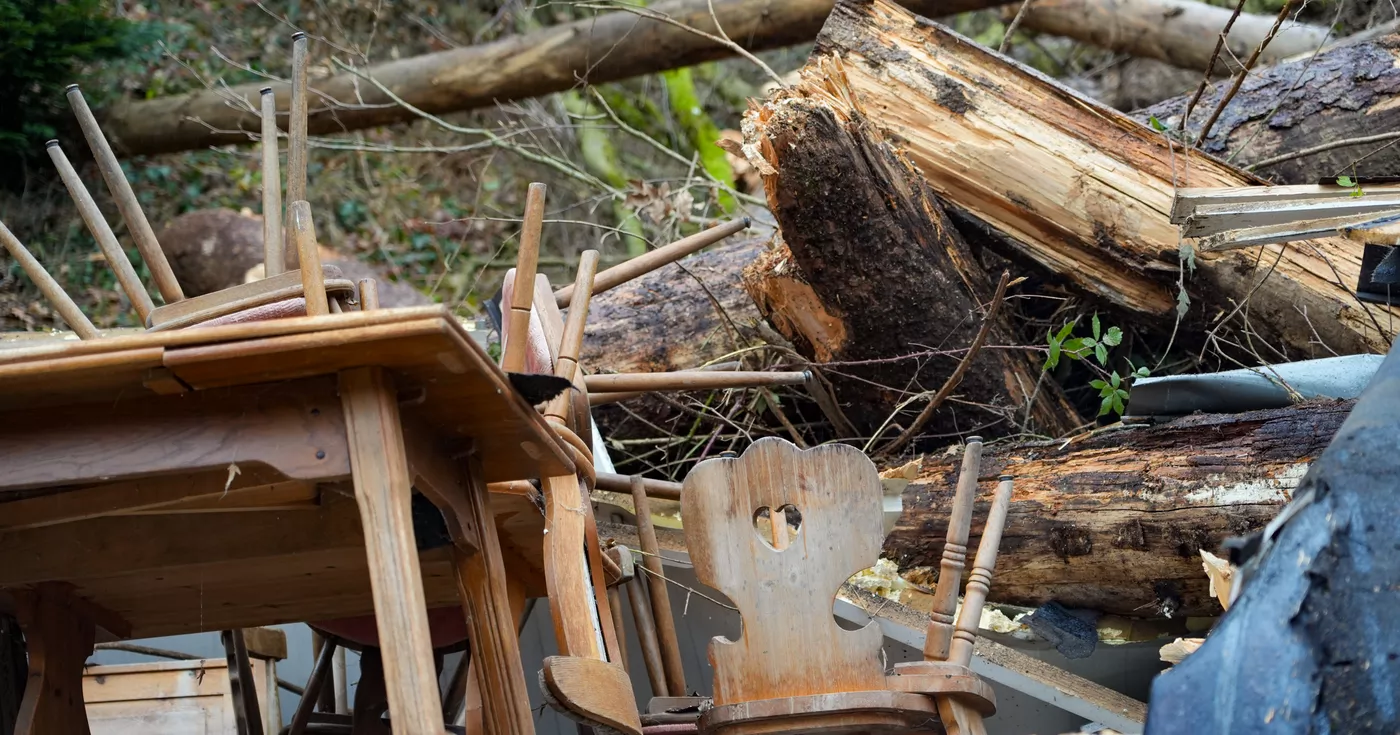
[1074,186]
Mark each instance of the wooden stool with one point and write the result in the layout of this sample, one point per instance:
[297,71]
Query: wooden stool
[794,670]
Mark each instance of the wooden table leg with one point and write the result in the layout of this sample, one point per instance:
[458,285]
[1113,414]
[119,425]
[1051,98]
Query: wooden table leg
[60,639]
[383,492]
[481,581]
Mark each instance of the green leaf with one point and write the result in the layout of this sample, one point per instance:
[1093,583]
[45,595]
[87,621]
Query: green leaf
[1115,380]
[1065,330]
[1142,372]
[1183,303]
[1096,326]
[1114,337]
[1345,181]
[1101,352]
[1098,384]
[1357,192]
[1106,405]
[1118,402]
[1054,358]
[1156,124]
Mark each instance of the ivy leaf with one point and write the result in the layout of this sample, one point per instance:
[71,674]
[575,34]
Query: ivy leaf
[1101,352]
[1096,326]
[1114,337]
[1345,181]
[1106,405]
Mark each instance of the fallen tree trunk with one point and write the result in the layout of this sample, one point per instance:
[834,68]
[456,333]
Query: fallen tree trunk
[606,48]
[873,271]
[1348,93]
[1079,188]
[1114,523]
[1180,32]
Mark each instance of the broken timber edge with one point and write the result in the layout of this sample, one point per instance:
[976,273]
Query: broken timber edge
[1074,186]
[991,660]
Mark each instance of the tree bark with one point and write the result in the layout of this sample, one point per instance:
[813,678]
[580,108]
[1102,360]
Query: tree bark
[1347,92]
[1114,523]
[1180,32]
[1077,187]
[873,271]
[606,48]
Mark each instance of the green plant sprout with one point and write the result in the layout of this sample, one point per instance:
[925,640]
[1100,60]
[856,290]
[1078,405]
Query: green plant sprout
[1112,386]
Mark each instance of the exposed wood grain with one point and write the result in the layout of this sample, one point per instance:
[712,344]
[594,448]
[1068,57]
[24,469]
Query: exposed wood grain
[295,427]
[1114,522]
[302,231]
[1187,200]
[595,691]
[1081,189]
[842,713]
[851,205]
[690,380]
[526,261]
[382,490]
[59,638]
[785,597]
[1209,219]
[954,556]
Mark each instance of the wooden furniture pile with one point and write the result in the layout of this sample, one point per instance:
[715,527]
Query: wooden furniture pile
[252,458]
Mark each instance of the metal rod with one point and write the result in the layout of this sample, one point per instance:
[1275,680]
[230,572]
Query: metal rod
[572,340]
[660,599]
[623,484]
[314,685]
[369,294]
[648,262]
[601,399]
[274,261]
[313,284]
[646,634]
[136,223]
[53,293]
[950,568]
[979,580]
[683,380]
[523,289]
[102,233]
[296,137]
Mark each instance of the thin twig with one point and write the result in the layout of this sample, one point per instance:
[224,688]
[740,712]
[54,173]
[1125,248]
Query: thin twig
[956,378]
[1016,23]
[653,15]
[1210,68]
[1244,72]
[1343,143]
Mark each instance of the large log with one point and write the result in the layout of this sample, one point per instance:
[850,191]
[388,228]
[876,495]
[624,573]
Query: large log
[1114,522]
[872,270]
[1077,187]
[1349,92]
[1180,32]
[606,48]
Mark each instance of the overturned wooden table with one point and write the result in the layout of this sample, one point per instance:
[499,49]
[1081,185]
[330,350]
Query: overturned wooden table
[129,467]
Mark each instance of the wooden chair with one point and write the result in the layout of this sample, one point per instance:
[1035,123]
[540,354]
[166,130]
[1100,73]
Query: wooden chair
[793,670]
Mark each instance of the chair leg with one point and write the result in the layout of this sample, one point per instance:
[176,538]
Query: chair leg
[383,491]
[370,697]
[320,674]
[60,639]
[243,689]
[495,647]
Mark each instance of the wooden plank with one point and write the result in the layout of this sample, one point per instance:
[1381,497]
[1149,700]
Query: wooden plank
[690,380]
[1186,201]
[155,680]
[382,491]
[182,490]
[1379,231]
[172,698]
[278,496]
[295,427]
[785,597]
[76,379]
[59,638]
[238,298]
[576,622]
[1276,234]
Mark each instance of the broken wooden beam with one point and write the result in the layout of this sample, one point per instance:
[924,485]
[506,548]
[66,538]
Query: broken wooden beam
[1114,522]
[872,272]
[1076,187]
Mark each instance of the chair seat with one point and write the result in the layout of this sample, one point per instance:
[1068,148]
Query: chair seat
[446,627]
[844,713]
